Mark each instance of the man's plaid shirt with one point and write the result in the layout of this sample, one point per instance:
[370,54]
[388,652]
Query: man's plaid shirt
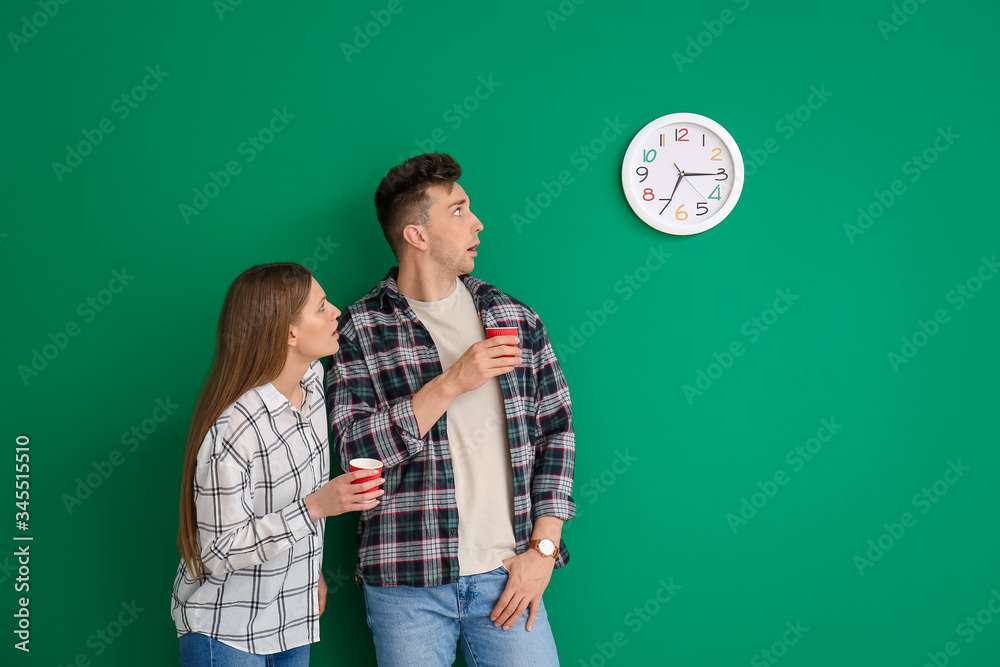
[386,356]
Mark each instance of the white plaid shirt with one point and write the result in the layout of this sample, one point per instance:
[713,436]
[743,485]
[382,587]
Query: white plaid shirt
[262,552]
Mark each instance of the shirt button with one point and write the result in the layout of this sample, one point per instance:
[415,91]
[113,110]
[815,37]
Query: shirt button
[454,531]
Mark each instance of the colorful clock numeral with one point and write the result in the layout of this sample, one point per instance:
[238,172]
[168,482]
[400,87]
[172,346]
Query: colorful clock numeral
[715,154]
[676,183]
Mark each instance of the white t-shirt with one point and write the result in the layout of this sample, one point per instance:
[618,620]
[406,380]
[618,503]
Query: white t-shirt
[477,437]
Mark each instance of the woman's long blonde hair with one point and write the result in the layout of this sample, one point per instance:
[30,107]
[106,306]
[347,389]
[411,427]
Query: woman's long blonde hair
[250,351]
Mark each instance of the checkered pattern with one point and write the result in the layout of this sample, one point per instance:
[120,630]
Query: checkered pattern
[261,550]
[386,356]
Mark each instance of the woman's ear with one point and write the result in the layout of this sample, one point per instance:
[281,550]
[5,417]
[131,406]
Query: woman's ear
[293,336]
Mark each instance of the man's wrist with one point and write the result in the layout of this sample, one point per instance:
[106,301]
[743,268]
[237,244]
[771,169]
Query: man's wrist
[448,385]
[545,547]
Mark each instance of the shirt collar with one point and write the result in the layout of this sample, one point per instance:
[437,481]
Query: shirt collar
[276,402]
[388,289]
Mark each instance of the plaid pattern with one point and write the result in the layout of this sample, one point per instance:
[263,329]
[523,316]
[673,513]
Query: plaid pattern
[386,356]
[261,550]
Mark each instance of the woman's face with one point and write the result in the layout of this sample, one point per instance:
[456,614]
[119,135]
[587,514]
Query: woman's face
[315,335]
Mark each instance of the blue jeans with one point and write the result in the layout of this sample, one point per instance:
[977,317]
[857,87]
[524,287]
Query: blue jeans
[421,626]
[203,651]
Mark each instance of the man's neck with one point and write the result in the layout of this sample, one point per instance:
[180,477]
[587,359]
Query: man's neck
[418,283]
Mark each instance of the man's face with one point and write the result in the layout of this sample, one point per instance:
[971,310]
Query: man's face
[452,230]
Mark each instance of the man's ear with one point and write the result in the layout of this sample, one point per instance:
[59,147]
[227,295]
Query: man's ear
[416,236]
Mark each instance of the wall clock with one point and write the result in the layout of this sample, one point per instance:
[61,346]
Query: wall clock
[682,173]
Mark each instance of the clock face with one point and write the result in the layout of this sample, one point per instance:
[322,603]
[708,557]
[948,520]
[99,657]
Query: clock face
[682,174]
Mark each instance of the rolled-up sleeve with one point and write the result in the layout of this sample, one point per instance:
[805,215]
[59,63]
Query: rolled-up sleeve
[360,424]
[555,445]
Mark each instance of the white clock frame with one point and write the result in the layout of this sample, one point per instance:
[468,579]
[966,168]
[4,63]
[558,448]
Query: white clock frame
[634,192]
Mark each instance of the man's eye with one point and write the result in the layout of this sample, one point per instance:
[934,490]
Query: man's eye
[458,211]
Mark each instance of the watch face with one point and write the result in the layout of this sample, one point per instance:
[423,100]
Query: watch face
[547,546]
[682,174]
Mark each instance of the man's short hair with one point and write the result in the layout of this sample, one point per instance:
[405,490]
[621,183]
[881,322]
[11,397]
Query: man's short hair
[401,198]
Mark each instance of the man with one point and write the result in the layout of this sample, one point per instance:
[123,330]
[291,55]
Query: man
[475,434]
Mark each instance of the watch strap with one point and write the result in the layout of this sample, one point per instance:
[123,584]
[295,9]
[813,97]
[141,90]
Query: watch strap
[533,544]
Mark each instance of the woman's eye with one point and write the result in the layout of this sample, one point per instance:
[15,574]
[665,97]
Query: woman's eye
[458,211]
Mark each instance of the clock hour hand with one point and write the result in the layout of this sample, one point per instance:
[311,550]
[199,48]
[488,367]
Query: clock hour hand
[691,173]
[669,199]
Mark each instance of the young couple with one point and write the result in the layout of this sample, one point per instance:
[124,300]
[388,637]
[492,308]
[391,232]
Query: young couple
[475,436]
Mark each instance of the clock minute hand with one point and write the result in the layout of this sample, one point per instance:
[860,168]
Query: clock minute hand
[690,173]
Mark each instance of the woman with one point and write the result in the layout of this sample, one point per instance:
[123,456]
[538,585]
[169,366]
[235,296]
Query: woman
[249,589]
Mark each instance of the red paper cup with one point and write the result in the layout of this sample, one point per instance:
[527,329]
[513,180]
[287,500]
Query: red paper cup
[374,465]
[493,332]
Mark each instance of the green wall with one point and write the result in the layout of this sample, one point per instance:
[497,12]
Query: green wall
[808,482]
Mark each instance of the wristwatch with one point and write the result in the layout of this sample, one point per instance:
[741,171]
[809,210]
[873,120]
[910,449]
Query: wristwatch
[545,546]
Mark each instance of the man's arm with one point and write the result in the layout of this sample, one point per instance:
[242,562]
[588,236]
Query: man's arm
[529,575]
[486,359]
[359,425]
[551,486]
[395,432]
